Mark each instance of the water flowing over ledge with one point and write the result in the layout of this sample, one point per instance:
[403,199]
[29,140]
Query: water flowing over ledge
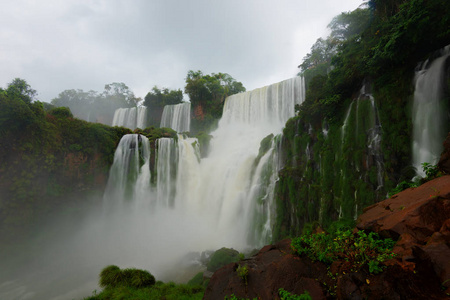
[134,117]
[177,117]
[224,199]
[430,108]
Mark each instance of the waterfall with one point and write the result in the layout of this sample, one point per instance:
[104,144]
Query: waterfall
[129,176]
[360,152]
[429,111]
[163,201]
[134,117]
[226,198]
[177,117]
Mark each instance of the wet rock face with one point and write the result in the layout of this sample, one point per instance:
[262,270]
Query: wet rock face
[444,161]
[419,219]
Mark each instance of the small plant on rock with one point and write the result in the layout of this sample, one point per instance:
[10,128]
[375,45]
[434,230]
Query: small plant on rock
[285,295]
[357,250]
[242,271]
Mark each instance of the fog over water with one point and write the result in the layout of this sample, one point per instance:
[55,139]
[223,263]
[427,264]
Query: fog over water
[197,204]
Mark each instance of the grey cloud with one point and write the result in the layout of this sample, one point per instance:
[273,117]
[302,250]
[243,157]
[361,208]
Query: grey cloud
[86,44]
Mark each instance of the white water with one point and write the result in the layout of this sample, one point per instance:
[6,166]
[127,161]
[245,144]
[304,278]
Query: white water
[217,201]
[429,112]
[192,204]
[177,117]
[134,117]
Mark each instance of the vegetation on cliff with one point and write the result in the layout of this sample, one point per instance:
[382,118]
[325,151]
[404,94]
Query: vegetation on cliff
[47,157]
[207,94]
[349,146]
[51,161]
[156,99]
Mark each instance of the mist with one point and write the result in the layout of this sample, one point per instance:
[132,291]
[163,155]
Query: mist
[63,257]
[193,205]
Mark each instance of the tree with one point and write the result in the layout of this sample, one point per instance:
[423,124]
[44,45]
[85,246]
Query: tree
[162,97]
[349,25]
[210,89]
[20,89]
[207,94]
[94,107]
[321,53]
[120,93]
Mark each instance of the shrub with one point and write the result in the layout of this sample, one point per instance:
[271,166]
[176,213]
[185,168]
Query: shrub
[110,276]
[61,112]
[113,276]
[242,271]
[357,250]
[431,171]
[285,295]
[402,186]
[138,278]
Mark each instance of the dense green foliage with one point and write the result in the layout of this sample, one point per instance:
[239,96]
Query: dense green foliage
[49,159]
[156,99]
[207,94]
[357,250]
[140,284]
[169,291]
[113,276]
[161,97]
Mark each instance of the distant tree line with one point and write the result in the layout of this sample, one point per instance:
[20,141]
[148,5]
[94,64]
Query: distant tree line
[206,93]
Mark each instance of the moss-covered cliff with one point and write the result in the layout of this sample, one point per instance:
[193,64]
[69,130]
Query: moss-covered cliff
[351,141]
[49,160]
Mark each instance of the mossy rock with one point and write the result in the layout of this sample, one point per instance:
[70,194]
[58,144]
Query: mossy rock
[221,258]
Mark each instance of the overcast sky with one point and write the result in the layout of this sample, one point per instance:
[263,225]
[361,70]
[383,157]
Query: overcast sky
[84,44]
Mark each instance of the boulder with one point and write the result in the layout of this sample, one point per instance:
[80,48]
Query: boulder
[272,268]
[417,218]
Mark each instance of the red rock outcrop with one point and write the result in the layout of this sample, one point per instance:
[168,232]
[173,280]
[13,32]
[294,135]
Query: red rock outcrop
[198,112]
[272,268]
[418,218]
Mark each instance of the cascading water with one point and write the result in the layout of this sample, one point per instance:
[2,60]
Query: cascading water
[230,192]
[134,117]
[130,170]
[177,117]
[360,152]
[430,120]
[155,213]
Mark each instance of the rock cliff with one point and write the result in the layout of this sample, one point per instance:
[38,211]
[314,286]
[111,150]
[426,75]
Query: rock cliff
[417,218]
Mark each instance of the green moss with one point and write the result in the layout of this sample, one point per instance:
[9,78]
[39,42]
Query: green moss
[221,258]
